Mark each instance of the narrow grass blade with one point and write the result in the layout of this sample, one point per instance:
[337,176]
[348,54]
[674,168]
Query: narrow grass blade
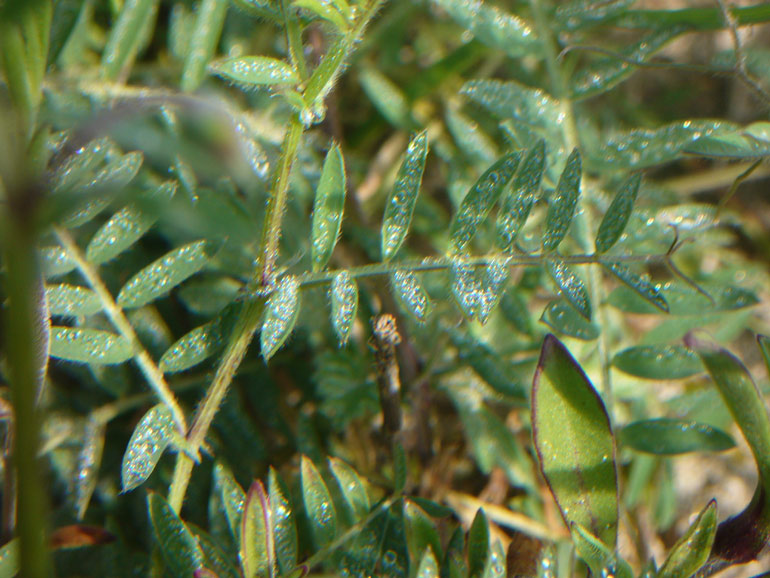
[89,345]
[563,202]
[152,435]
[328,207]
[281,313]
[616,218]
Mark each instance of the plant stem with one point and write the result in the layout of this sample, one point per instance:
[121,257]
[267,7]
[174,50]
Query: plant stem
[236,349]
[148,367]
[294,40]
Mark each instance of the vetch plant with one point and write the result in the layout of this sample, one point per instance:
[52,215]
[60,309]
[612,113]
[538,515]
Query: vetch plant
[366,288]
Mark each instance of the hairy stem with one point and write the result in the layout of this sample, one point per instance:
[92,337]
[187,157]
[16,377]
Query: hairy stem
[148,367]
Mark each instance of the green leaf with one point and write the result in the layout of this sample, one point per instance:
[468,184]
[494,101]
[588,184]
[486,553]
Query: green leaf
[353,488]
[496,564]
[658,362]
[233,499]
[251,71]
[493,282]
[89,346]
[411,294]
[208,296]
[764,346]
[10,564]
[152,435]
[284,526]
[565,319]
[601,559]
[180,549]
[428,567]
[640,285]
[78,169]
[161,276]
[479,201]
[421,532]
[257,549]
[466,288]
[318,505]
[199,344]
[563,202]
[664,436]
[344,295]
[616,218]
[493,26]
[571,287]
[684,300]
[327,209]
[324,10]
[71,300]
[692,550]
[400,472]
[478,545]
[386,97]
[204,36]
[577,14]
[742,142]
[89,460]
[470,137]
[127,37]
[574,442]
[55,261]
[399,207]
[126,227]
[281,313]
[517,205]
[489,365]
[218,564]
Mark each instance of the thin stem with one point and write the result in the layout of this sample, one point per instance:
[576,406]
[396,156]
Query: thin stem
[294,39]
[148,367]
[236,349]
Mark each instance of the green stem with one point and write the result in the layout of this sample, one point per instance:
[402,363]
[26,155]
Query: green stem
[148,367]
[236,349]
[294,39]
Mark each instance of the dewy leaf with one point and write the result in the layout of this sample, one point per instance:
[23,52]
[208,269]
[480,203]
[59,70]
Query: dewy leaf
[479,201]
[127,36]
[466,288]
[562,204]
[571,287]
[692,550]
[399,207]
[574,442]
[517,204]
[163,275]
[663,436]
[616,218]
[209,19]
[281,313]
[470,138]
[344,294]
[353,488]
[71,300]
[639,284]
[601,559]
[478,544]
[180,549]
[233,499]
[327,209]
[89,460]
[421,532]
[284,527]
[78,169]
[257,549]
[684,300]
[493,26]
[428,567]
[324,10]
[218,564]
[89,345]
[493,284]
[386,97]
[251,71]
[577,14]
[496,565]
[126,227]
[410,292]
[55,261]
[152,435]
[318,505]
[658,362]
[563,318]
[10,564]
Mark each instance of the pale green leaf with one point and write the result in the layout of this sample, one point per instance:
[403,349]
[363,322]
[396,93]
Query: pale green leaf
[576,14]
[601,559]
[428,567]
[344,296]
[562,203]
[180,549]
[571,287]
[10,563]
[55,261]
[564,319]
[251,71]
[161,276]
[324,10]
[399,207]
[127,37]
[284,526]
[692,550]
[257,548]
[89,345]
[152,435]
[281,313]
[616,218]
[327,209]
[204,36]
[208,296]
[663,436]
[353,488]
[684,300]
[233,499]
[658,362]
[71,300]
[479,201]
[411,293]
[496,564]
[387,98]
[89,460]
[574,442]
[641,285]
[78,169]
[471,138]
[318,505]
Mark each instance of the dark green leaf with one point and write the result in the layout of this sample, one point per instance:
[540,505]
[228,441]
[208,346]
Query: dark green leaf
[152,435]
[257,549]
[563,202]
[89,345]
[664,436]
[563,318]
[318,505]
[209,19]
[658,361]
[164,274]
[616,218]
[576,14]
[89,460]
[327,210]
[642,286]
[692,550]
[127,37]
[71,300]
[601,559]
[410,292]
[684,300]
[478,545]
[471,138]
[574,442]
[479,201]
[281,313]
[10,564]
[399,207]
[421,532]
[344,295]
[178,545]
[571,287]
[284,527]
[218,564]
[251,71]
[353,488]
[233,499]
